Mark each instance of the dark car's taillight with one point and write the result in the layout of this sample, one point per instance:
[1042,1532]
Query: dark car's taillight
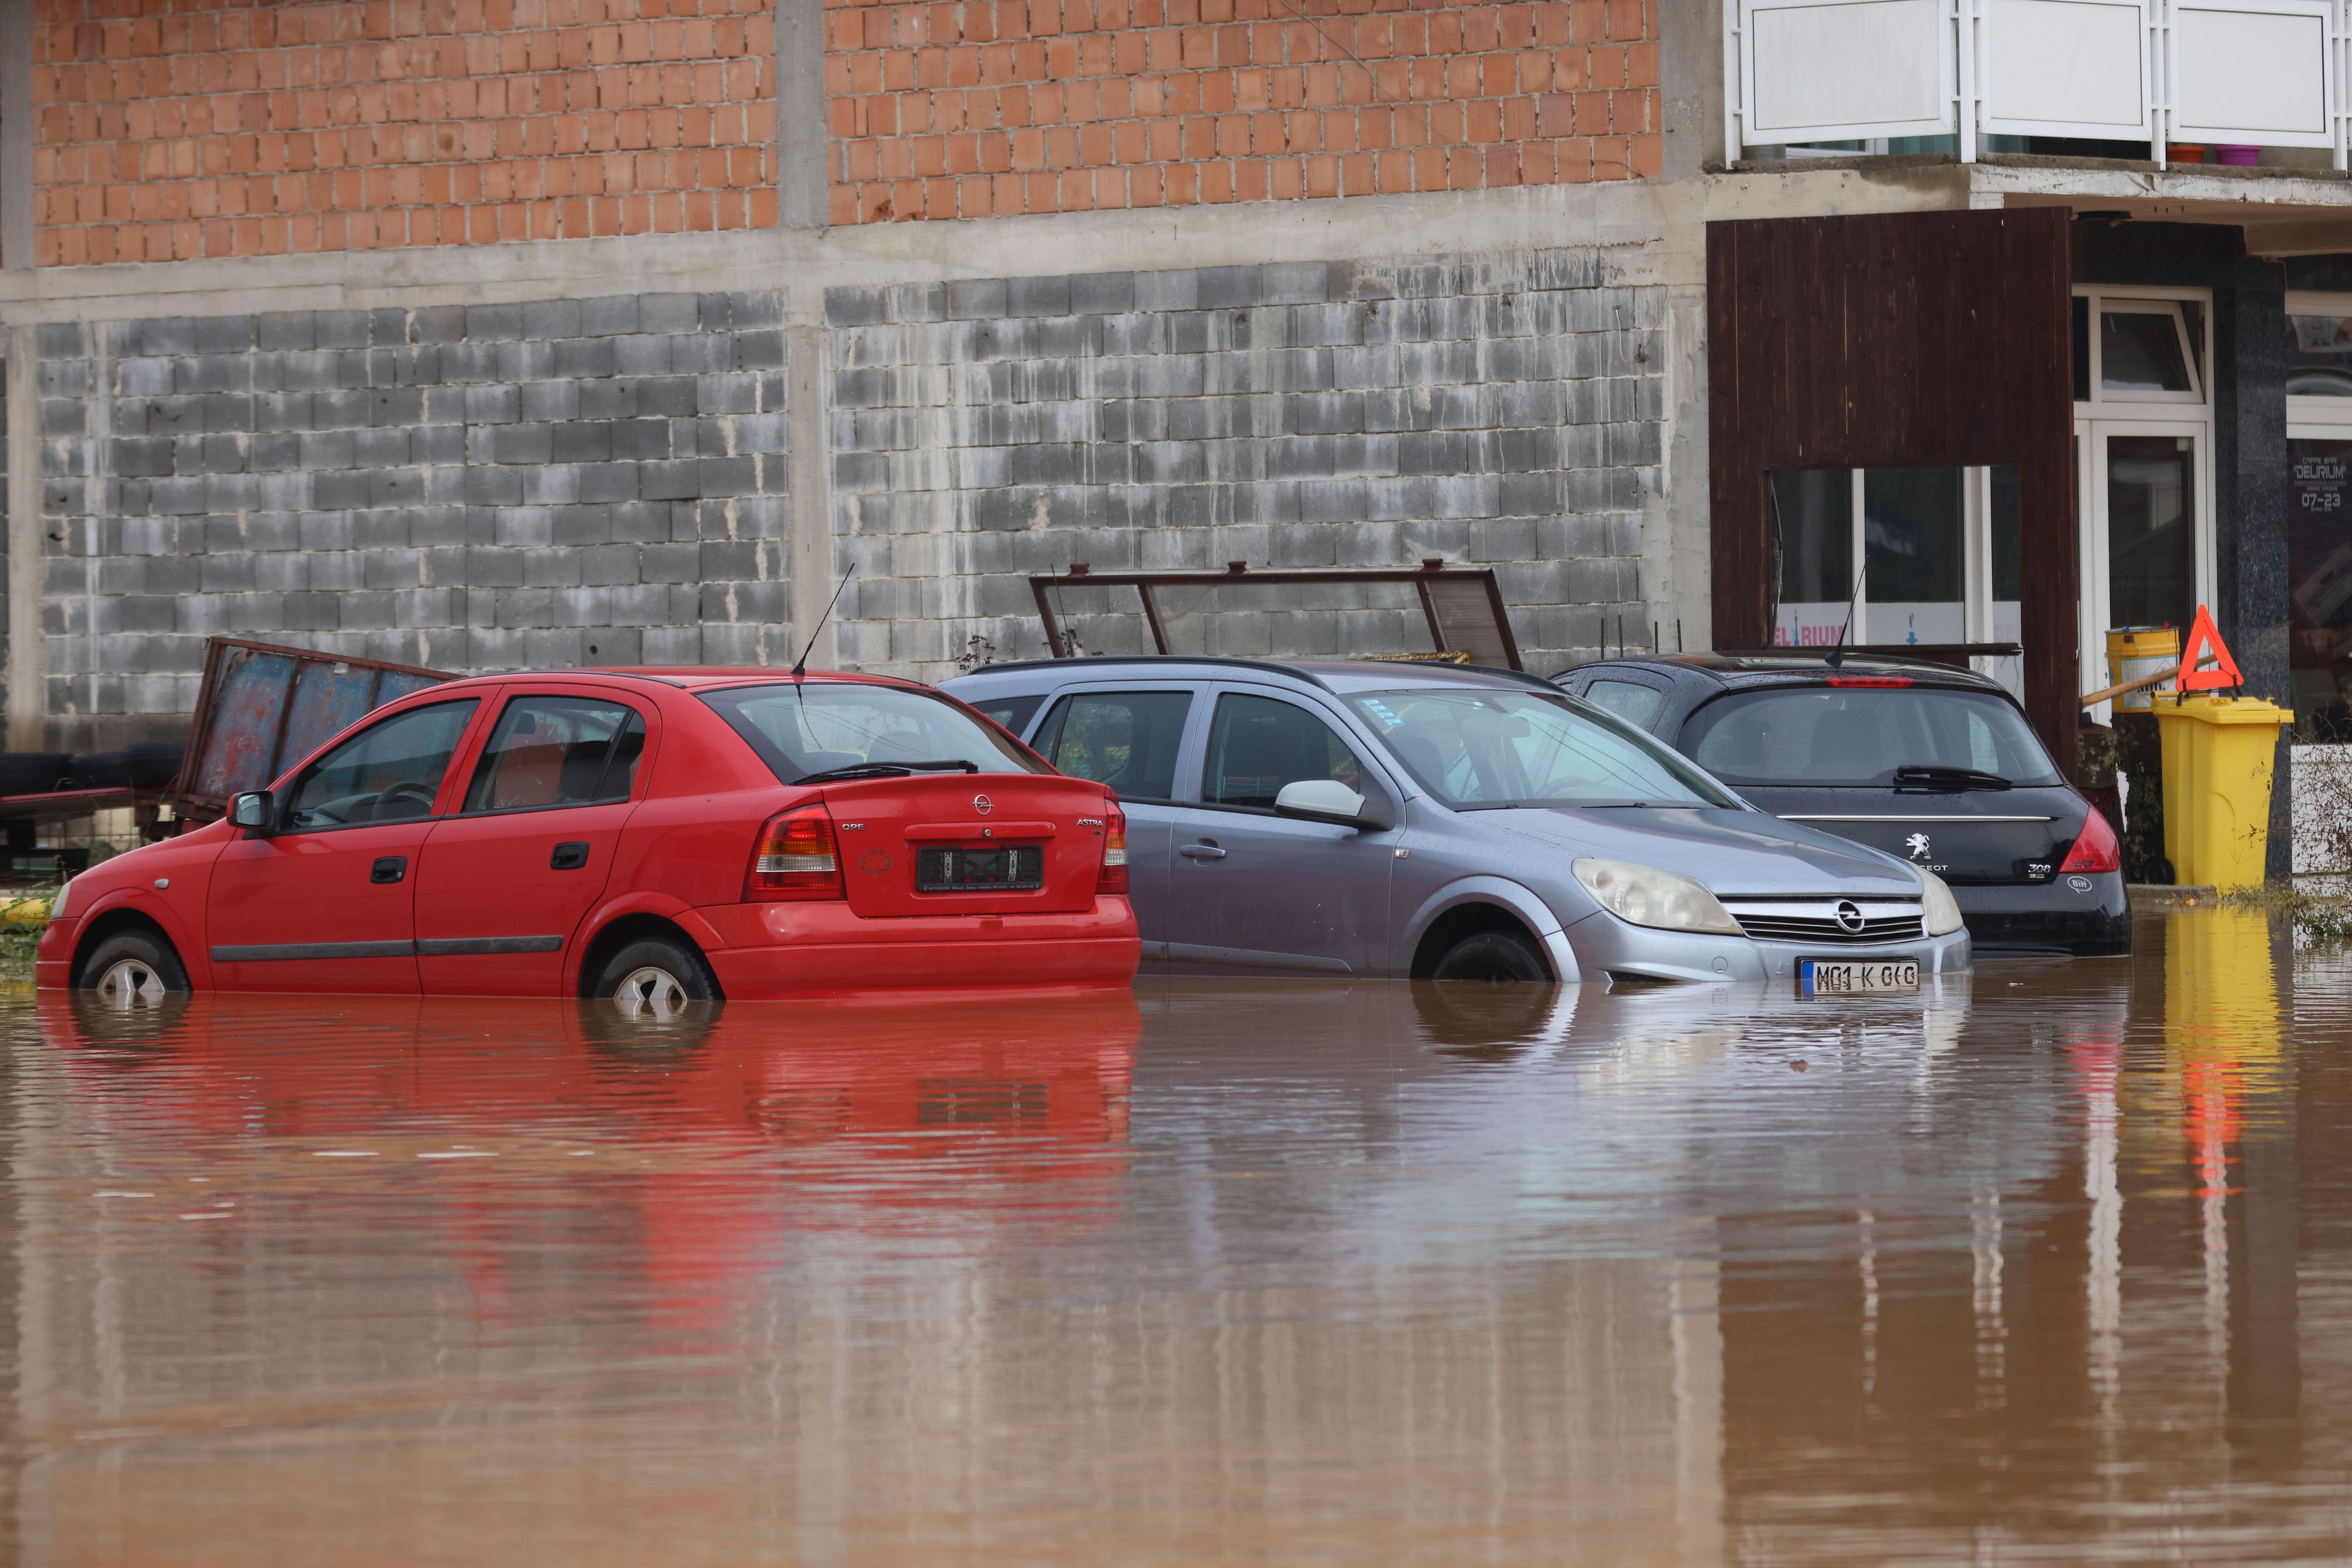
[2095,847]
[1112,878]
[795,858]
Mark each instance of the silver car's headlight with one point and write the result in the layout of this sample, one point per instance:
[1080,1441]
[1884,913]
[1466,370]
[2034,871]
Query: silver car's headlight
[1940,909]
[1645,896]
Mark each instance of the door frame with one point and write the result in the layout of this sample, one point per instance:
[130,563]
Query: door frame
[2090,472]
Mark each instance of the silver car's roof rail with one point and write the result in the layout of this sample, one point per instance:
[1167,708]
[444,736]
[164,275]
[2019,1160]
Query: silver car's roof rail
[1096,661]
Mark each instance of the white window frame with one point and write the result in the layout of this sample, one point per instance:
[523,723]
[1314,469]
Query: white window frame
[2164,302]
[2318,418]
[2109,413]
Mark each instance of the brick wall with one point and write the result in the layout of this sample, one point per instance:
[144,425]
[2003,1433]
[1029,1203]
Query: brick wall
[226,127]
[483,487]
[992,107]
[1502,410]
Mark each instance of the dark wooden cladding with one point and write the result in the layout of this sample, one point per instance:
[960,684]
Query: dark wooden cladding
[1899,340]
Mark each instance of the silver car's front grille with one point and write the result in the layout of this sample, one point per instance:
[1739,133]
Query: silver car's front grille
[1844,922]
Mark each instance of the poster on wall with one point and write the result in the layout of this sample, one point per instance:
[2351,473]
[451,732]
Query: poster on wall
[2319,535]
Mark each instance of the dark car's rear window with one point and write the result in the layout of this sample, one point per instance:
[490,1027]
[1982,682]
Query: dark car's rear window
[799,729]
[1860,735]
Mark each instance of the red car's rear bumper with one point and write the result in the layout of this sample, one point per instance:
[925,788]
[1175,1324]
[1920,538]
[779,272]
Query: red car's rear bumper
[774,950]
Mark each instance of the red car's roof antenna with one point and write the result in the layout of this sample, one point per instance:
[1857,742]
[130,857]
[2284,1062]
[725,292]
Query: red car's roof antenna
[800,664]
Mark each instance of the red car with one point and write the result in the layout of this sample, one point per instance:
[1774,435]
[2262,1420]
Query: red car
[657,836]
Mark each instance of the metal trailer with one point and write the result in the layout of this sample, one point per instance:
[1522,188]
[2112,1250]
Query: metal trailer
[263,706]
[1464,604]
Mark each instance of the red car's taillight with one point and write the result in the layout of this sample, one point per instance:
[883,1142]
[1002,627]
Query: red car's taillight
[2095,847]
[796,858]
[1113,876]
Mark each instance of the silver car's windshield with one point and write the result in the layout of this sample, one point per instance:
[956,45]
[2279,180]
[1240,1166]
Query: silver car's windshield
[1478,750]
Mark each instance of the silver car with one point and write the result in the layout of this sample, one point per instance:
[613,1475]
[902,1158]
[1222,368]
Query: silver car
[1372,818]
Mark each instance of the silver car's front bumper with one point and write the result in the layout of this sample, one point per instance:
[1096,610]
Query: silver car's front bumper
[1606,945]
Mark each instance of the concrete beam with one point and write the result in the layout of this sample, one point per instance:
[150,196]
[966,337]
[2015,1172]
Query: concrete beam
[17,124]
[801,129]
[1649,227]
[26,699]
[808,485]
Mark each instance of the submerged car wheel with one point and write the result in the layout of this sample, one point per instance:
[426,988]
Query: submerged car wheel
[1491,956]
[655,977]
[133,968]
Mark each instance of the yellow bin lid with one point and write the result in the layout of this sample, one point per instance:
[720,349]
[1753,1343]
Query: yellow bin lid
[2223,710]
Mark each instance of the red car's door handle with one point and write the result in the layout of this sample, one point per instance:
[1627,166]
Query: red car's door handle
[388,869]
[568,857]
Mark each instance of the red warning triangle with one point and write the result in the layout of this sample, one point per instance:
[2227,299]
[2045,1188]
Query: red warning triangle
[2203,639]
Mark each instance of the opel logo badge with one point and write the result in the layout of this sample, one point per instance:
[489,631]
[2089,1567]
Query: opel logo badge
[982,805]
[1849,917]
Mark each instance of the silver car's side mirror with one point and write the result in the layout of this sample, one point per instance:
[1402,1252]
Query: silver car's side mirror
[250,811]
[1328,800]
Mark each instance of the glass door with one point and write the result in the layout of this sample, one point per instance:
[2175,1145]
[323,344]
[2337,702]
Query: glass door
[2148,534]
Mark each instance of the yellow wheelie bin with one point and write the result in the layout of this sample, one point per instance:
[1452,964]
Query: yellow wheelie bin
[2218,752]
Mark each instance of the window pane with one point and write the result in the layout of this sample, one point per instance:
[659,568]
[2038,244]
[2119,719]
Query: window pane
[1912,524]
[2319,593]
[1258,745]
[2319,356]
[2081,350]
[1126,740]
[386,774]
[2139,351]
[1812,516]
[814,727]
[1011,712]
[2007,539]
[554,751]
[1633,703]
[1824,736]
[2151,530]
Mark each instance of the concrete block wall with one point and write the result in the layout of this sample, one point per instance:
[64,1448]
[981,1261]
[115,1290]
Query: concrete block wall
[467,487]
[1503,410]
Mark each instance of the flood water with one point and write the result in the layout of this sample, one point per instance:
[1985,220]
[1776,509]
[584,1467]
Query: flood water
[2051,1264]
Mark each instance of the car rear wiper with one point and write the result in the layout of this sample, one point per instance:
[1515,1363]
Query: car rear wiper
[1935,776]
[884,771]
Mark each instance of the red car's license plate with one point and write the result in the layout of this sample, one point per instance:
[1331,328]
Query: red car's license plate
[1006,869]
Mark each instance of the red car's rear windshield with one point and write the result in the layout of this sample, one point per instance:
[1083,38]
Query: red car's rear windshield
[804,727]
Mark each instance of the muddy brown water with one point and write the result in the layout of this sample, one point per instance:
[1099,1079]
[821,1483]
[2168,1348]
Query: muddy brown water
[2052,1263]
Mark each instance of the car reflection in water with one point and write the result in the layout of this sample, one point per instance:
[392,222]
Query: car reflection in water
[661,1134]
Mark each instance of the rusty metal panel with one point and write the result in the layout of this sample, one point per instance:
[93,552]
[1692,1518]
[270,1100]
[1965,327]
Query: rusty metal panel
[263,708]
[327,699]
[248,702]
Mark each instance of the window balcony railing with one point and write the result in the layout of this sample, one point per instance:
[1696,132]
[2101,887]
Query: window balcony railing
[2262,73]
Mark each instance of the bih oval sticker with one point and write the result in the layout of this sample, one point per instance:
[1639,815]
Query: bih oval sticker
[874,862]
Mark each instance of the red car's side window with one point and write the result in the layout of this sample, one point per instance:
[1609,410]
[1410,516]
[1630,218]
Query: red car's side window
[557,751]
[387,772]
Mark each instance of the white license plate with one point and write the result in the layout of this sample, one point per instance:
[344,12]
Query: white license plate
[1836,976]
